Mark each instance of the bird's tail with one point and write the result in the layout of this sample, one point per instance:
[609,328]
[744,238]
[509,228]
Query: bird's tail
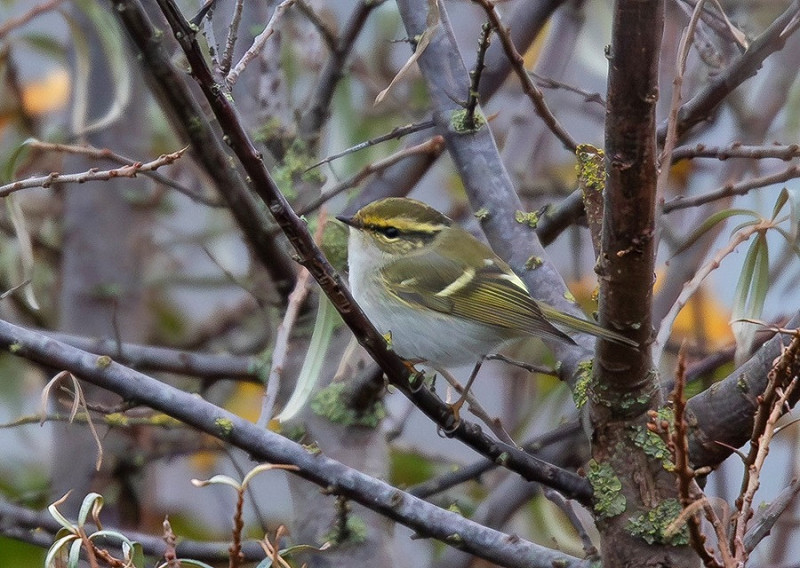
[559,318]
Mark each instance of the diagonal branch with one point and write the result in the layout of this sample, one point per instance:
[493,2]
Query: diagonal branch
[264,445]
[310,256]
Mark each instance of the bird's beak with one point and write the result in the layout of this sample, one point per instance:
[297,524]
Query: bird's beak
[350,221]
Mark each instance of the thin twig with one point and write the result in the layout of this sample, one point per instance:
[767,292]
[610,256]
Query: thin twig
[129,171]
[767,518]
[736,150]
[107,154]
[528,87]
[754,470]
[484,41]
[679,444]
[731,189]
[589,549]
[677,83]
[476,408]
[432,146]
[230,41]
[281,349]
[324,31]
[550,83]
[395,134]
[258,43]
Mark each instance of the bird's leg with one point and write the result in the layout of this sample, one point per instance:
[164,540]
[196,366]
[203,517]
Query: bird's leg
[456,406]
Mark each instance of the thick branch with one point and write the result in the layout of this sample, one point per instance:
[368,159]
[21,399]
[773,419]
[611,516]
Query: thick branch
[627,261]
[264,445]
[721,418]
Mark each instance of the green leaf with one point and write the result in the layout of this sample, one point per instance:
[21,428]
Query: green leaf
[745,281]
[218,480]
[57,549]
[61,519]
[135,552]
[783,197]
[327,319]
[75,554]
[709,223]
[92,504]
[19,153]
[751,290]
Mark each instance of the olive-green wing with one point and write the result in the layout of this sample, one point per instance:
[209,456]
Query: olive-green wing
[490,294]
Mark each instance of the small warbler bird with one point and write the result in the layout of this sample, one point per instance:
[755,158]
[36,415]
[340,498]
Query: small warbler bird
[440,294]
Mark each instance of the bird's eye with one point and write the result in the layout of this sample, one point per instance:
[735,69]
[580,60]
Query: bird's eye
[390,232]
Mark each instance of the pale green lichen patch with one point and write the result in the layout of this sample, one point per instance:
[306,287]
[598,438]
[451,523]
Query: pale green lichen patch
[330,404]
[653,445]
[533,263]
[225,426]
[529,218]
[353,532]
[103,361]
[608,498]
[482,214]
[581,393]
[742,386]
[590,167]
[460,121]
[652,526]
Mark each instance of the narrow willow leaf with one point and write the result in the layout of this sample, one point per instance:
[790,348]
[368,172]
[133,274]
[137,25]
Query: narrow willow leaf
[92,504]
[57,551]
[218,480]
[19,153]
[745,281]
[56,514]
[75,554]
[25,246]
[751,292]
[709,223]
[783,197]
[327,319]
[760,285]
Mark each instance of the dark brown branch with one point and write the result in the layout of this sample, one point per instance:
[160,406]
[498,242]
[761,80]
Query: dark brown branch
[312,258]
[627,262]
